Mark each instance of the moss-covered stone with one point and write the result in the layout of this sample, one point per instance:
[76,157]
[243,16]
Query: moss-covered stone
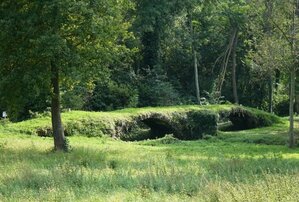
[247,118]
[184,122]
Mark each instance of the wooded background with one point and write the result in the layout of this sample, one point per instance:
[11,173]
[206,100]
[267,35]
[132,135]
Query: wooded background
[113,54]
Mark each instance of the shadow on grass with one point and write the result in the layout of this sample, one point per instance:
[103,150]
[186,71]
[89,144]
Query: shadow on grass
[170,168]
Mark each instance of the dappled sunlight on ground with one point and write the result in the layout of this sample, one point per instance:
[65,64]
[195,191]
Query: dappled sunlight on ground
[229,167]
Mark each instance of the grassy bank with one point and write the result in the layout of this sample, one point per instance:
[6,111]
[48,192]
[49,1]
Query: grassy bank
[249,165]
[183,120]
[102,169]
[101,123]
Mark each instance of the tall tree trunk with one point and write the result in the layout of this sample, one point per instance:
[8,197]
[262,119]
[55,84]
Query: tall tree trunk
[292,142]
[268,32]
[297,92]
[271,88]
[58,132]
[227,55]
[292,93]
[296,101]
[196,77]
[234,67]
[297,72]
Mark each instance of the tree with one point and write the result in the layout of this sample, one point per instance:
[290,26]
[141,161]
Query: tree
[292,141]
[152,18]
[288,30]
[47,42]
[279,47]
[236,14]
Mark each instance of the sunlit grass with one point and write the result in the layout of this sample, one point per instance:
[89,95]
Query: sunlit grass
[251,165]
[103,169]
[103,120]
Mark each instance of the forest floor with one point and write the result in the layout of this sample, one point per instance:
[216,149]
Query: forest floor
[252,165]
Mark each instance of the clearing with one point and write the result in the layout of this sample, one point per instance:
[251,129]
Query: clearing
[248,165]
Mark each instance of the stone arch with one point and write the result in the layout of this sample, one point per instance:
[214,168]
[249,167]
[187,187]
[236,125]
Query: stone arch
[188,125]
[159,124]
[158,127]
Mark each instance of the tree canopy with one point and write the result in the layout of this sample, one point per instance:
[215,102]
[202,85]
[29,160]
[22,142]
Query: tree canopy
[110,54]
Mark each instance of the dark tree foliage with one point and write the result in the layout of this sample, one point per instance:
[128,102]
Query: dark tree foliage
[111,54]
[44,43]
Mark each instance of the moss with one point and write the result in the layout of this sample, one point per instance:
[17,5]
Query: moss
[185,122]
[194,124]
[248,118]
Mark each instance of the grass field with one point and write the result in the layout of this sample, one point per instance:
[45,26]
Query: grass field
[252,165]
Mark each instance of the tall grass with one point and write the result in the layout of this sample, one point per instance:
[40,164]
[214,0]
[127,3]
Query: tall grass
[102,169]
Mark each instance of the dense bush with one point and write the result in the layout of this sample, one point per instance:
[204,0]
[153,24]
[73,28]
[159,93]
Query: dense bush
[74,99]
[110,95]
[23,110]
[282,107]
[156,90]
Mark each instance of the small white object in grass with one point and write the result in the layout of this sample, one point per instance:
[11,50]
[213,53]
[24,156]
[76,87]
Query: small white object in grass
[4,114]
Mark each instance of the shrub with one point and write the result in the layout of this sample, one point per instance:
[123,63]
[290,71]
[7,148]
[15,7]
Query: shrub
[156,90]
[110,95]
[282,107]
[73,99]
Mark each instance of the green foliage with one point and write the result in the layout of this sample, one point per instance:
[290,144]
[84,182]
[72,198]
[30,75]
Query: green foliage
[247,118]
[74,98]
[109,96]
[147,64]
[281,102]
[196,124]
[156,90]
[135,124]
[86,127]
[44,132]
[152,19]
[81,38]
[282,107]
